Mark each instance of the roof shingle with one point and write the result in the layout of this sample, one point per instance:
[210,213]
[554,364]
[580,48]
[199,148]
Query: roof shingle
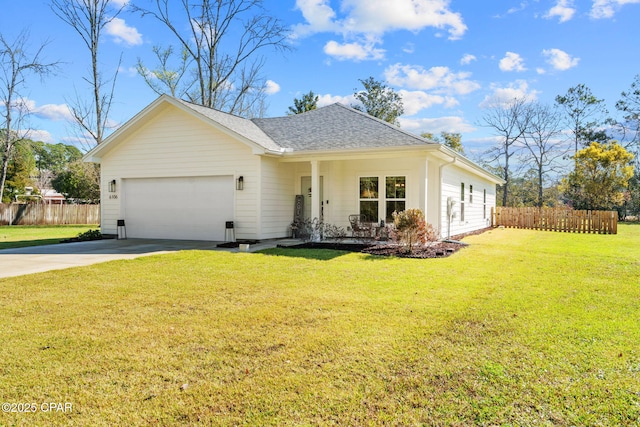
[239,125]
[335,127]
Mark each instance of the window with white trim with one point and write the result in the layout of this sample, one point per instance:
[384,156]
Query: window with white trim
[462,201]
[375,201]
[395,195]
[369,197]
[484,204]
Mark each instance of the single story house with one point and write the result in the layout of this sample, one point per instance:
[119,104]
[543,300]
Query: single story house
[183,171]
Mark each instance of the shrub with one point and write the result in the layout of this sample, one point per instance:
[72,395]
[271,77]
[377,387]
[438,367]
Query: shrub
[89,235]
[315,230]
[410,228]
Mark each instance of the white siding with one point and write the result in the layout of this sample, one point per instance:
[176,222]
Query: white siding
[452,177]
[341,180]
[278,192]
[175,144]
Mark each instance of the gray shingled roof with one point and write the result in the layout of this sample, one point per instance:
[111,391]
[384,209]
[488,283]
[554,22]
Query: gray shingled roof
[335,127]
[239,125]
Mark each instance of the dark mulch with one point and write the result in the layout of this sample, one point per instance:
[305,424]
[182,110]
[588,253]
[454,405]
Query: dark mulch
[349,247]
[236,244]
[434,250]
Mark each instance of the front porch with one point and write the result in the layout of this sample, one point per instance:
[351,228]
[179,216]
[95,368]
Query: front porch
[334,190]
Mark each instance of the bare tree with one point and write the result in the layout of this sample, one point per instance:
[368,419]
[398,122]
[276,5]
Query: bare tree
[541,140]
[509,121]
[164,78]
[16,64]
[223,41]
[89,18]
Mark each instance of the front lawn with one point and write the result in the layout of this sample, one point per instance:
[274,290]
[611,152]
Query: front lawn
[520,328]
[18,236]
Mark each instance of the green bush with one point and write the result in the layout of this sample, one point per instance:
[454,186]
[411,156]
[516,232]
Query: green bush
[89,235]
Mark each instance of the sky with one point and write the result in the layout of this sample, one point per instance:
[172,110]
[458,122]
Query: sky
[447,59]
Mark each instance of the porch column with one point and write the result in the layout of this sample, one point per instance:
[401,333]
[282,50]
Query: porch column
[315,190]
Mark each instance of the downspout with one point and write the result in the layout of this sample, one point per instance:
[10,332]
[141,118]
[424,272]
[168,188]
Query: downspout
[442,166]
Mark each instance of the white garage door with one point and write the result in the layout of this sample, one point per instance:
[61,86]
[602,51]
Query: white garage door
[194,208]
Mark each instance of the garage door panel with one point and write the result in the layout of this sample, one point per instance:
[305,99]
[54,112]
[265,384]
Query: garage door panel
[191,208]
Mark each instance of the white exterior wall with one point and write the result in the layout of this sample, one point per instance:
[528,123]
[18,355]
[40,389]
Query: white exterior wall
[278,192]
[474,218]
[175,144]
[341,182]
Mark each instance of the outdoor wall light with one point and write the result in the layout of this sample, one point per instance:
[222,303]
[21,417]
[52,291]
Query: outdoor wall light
[112,186]
[240,183]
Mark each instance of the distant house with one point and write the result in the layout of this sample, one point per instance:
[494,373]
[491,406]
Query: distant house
[182,171]
[52,197]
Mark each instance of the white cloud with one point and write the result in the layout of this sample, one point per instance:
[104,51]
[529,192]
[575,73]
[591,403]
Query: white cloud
[40,135]
[56,112]
[512,62]
[353,51]
[503,95]
[559,59]
[439,79]
[607,8]
[467,59]
[272,87]
[416,101]
[324,100]
[319,17]
[563,9]
[118,29]
[120,3]
[378,17]
[371,19]
[436,125]
[522,6]
[133,72]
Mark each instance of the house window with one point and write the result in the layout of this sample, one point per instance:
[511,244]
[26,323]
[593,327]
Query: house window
[377,203]
[369,197]
[484,204]
[462,201]
[470,194]
[395,195]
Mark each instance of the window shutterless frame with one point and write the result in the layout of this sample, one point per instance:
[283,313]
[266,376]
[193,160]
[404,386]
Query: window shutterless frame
[380,196]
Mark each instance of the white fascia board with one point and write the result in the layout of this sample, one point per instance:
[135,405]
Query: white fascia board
[96,154]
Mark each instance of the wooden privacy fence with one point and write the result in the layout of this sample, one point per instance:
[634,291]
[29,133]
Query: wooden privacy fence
[556,219]
[36,214]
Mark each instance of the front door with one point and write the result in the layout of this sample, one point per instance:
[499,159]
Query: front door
[306,191]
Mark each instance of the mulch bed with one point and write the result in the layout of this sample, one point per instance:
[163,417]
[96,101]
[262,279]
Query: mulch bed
[349,247]
[236,244]
[434,250]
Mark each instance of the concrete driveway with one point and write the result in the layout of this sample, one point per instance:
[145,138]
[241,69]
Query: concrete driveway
[36,259]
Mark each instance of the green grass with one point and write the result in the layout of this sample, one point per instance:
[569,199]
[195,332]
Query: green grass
[18,236]
[522,328]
